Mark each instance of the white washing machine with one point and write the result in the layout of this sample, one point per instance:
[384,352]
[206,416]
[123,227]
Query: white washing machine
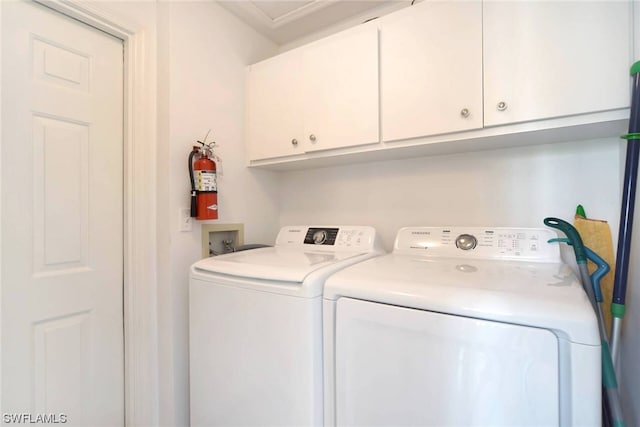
[255,334]
[461,327]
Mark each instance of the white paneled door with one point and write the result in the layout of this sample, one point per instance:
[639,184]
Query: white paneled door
[62,220]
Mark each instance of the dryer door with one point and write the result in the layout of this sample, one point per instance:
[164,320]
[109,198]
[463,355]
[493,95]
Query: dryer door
[400,366]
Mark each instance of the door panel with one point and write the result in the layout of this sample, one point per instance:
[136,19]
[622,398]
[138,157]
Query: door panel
[60,66]
[62,356]
[62,218]
[60,229]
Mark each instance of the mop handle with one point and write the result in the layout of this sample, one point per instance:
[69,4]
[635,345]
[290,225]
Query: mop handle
[634,119]
[601,271]
[575,241]
[573,236]
[628,193]
[609,381]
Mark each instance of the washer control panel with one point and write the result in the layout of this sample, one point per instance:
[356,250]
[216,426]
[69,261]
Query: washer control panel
[321,236]
[329,237]
[479,242]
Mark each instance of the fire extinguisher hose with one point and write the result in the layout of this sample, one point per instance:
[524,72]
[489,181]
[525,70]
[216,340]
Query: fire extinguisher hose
[194,210]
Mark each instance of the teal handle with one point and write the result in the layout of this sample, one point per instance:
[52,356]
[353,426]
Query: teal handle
[601,271]
[574,237]
[559,240]
[608,372]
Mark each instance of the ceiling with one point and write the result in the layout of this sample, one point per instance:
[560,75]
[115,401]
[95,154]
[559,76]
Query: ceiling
[285,21]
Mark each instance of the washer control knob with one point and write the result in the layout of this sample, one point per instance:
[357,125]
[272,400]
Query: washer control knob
[319,237]
[466,242]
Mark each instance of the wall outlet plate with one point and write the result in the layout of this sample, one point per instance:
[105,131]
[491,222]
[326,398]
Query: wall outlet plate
[186,222]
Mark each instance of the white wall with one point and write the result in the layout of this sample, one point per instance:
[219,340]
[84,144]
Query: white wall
[508,187]
[203,54]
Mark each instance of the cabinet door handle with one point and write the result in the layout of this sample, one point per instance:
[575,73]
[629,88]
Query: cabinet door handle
[312,138]
[502,106]
[464,112]
[294,142]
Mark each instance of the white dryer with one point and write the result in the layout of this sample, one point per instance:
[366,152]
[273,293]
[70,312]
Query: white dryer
[255,333]
[461,327]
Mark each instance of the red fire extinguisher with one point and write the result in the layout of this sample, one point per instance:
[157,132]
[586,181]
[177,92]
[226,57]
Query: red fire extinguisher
[204,184]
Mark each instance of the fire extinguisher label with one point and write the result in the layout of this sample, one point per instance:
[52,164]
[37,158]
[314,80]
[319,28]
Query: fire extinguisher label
[206,181]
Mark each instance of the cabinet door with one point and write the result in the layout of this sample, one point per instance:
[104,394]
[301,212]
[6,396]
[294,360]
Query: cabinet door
[551,59]
[274,107]
[341,90]
[431,69]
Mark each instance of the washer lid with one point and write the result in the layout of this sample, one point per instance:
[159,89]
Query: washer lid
[545,295]
[276,263]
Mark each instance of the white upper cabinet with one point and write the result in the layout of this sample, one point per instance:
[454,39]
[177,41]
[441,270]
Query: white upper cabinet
[547,59]
[443,77]
[431,69]
[341,98]
[317,97]
[275,94]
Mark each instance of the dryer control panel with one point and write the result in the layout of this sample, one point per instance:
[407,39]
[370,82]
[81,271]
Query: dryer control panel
[479,242]
[355,238]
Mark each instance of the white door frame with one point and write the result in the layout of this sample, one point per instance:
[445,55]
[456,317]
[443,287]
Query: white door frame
[140,316]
